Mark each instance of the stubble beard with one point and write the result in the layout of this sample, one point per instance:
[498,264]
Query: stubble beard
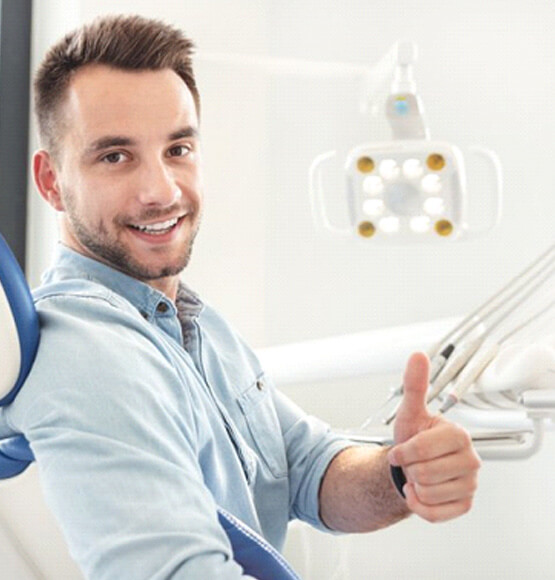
[108,249]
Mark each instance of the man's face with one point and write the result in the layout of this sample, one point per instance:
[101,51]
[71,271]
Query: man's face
[128,170]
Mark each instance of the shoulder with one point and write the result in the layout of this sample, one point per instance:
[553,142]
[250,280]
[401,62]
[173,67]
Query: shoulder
[85,324]
[95,352]
[78,295]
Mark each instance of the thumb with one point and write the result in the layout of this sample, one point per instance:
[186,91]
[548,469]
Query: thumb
[413,415]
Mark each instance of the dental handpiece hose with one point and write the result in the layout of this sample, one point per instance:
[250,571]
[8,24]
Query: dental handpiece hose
[469,349]
[446,346]
[470,373]
[513,289]
[481,360]
[457,362]
[477,316]
[439,361]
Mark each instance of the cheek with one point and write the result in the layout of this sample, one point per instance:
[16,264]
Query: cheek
[91,198]
[84,209]
[197,186]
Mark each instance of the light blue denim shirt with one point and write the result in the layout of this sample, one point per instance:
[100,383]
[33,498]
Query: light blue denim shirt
[144,415]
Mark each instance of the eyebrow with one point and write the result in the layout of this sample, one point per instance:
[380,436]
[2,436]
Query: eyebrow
[122,141]
[107,142]
[184,133]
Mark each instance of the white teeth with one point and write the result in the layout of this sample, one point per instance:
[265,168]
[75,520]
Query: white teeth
[159,227]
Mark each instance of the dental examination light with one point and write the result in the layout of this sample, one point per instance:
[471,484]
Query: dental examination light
[409,189]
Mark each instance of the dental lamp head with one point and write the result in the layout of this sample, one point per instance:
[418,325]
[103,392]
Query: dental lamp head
[409,189]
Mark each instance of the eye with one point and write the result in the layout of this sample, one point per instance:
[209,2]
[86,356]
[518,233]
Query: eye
[113,158]
[180,150]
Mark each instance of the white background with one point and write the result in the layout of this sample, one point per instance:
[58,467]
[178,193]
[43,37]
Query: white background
[485,73]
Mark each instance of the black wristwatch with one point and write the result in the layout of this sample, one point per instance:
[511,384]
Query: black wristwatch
[399,478]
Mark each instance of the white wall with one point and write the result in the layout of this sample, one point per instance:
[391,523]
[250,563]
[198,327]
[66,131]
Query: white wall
[486,76]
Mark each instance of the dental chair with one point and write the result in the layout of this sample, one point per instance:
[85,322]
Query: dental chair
[19,340]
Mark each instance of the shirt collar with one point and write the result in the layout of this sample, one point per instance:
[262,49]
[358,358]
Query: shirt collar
[69,264]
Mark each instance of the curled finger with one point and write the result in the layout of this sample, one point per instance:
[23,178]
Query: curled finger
[436,513]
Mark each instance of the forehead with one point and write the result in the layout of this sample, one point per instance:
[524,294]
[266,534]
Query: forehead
[104,100]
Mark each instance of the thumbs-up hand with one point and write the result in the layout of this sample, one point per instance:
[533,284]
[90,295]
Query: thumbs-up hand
[437,457]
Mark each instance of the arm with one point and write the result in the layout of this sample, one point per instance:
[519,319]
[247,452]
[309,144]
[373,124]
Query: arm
[310,448]
[114,430]
[437,457]
[357,494]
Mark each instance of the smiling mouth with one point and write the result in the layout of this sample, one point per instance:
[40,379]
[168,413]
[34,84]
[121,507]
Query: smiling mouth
[159,228]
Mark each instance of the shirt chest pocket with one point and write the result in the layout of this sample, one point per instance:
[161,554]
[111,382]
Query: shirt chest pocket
[260,415]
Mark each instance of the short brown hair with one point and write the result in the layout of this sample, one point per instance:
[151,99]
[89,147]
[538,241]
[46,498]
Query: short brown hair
[124,42]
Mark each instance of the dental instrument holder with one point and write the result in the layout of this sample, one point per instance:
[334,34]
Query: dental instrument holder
[410,189]
[514,444]
[495,440]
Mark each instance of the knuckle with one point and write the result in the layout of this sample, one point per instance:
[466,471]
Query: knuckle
[475,466]
[464,438]
[473,484]
[477,463]
[466,505]
[473,463]
[433,516]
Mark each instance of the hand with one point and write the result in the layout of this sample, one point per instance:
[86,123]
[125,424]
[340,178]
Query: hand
[437,457]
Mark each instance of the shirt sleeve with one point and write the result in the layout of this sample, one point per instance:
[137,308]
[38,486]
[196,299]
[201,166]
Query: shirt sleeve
[116,449]
[310,447]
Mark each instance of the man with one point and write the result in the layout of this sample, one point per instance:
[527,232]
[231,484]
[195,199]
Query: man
[144,409]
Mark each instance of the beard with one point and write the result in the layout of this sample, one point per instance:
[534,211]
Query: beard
[108,248]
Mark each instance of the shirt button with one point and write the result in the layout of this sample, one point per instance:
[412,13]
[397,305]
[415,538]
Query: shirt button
[259,385]
[162,307]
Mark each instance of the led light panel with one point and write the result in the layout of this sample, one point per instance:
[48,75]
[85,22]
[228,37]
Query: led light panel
[411,189]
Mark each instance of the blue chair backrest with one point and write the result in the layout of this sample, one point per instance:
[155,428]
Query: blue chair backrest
[19,340]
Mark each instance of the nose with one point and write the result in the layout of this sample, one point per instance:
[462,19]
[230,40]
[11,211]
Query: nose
[157,185]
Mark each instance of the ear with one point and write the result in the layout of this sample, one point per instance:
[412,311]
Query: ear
[46,179]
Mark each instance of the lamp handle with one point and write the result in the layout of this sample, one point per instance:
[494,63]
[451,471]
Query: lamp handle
[316,192]
[497,172]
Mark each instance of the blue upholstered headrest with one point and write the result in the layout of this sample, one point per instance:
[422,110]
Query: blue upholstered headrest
[19,335]
[19,340]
